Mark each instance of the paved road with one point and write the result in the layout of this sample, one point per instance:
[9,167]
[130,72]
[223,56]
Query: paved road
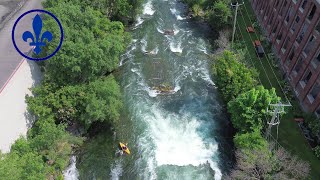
[9,57]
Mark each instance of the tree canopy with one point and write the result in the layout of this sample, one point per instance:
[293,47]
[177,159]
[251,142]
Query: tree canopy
[232,76]
[91,48]
[248,110]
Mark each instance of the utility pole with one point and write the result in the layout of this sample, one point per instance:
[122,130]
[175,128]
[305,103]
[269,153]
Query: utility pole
[235,20]
[275,120]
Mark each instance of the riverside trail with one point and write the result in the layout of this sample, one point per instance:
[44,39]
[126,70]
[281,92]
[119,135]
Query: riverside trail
[179,135]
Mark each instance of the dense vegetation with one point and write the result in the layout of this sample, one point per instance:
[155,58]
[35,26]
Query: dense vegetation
[247,104]
[216,12]
[78,86]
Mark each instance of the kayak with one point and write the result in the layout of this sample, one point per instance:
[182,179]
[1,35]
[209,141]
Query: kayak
[123,145]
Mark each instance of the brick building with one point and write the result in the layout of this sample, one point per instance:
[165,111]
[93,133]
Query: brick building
[293,27]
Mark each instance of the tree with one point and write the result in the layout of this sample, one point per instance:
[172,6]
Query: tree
[100,100]
[219,15]
[112,9]
[264,164]
[232,77]
[28,166]
[91,48]
[249,109]
[250,140]
[103,102]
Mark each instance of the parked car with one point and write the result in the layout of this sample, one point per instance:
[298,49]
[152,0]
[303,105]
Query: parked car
[259,51]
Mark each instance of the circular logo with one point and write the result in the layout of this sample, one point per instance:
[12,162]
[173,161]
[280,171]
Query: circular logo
[36,37]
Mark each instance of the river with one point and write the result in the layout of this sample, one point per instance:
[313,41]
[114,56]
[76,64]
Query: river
[180,135]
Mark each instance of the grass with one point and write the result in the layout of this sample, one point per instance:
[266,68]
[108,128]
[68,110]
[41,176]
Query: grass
[290,136]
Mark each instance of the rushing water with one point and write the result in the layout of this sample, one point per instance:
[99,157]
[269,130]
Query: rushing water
[173,136]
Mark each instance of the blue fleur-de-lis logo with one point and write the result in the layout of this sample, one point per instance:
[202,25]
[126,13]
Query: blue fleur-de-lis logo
[37,39]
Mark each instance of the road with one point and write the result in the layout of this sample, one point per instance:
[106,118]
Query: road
[9,57]
[16,77]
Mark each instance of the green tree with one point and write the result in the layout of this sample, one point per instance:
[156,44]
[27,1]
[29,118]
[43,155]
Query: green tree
[249,109]
[250,140]
[124,10]
[104,101]
[232,77]
[219,15]
[91,48]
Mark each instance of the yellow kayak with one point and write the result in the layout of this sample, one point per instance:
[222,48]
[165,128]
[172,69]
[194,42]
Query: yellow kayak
[124,148]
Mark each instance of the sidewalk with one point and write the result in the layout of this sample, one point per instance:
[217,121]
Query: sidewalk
[16,75]
[14,118]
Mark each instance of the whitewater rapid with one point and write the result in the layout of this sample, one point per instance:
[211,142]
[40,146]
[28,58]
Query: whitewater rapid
[174,133]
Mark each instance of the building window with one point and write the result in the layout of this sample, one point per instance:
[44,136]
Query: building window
[279,36]
[316,61]
[285,45]
[310,45]
[292,53]
[302,33]
[277,3]
[275,28]
[314,92]
[303,5]
[318,27]
[306,78]
[289,14]
[270,20]
[294,24]
[283,8]
[298,65]
[312,12]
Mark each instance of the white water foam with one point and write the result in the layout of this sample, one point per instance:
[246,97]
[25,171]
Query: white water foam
[144,44]
[180,18]
[154,51]
[175,29]
[176,13]
[173,11]
[176,47]
[128,53]
[178,142]
[205,75]
[159,30]
[148,8]
[71,173]
[116,171]
[139,21]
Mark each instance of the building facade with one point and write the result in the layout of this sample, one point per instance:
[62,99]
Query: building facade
[293,27]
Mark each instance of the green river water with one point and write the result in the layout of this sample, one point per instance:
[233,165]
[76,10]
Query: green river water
[182,135]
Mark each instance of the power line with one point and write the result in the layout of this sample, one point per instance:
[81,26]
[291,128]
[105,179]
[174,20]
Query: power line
[265,71]
[276,114]
[247,13]
[266,118]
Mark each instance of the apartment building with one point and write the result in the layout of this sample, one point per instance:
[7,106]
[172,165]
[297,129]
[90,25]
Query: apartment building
[293,27]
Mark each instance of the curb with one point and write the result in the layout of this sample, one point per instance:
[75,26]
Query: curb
[12,74]
[10,15]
